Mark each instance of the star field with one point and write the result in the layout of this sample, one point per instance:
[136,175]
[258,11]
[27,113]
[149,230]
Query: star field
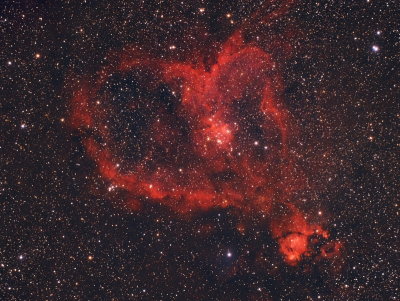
[199,150]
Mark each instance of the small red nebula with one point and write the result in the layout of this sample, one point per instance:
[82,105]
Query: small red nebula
[293,246]
[293,233]
[331,249]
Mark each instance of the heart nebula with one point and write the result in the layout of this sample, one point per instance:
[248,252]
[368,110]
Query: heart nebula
[192,137]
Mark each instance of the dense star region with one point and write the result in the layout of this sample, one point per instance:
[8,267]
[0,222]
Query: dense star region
[200,150]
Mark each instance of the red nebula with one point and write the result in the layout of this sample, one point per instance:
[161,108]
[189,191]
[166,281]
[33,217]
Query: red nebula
[217,146]
[293,233]
[225,142]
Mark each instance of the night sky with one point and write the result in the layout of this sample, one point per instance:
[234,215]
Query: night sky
[199,150]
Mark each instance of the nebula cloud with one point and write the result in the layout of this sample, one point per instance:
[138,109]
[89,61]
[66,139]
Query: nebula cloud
[194,137]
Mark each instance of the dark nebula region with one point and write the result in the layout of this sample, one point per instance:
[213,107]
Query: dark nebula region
[194,136]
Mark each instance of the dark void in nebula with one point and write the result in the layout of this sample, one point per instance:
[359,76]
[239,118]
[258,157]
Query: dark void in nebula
[195,136]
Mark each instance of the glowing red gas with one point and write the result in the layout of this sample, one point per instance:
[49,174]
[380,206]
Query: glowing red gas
[229,148]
